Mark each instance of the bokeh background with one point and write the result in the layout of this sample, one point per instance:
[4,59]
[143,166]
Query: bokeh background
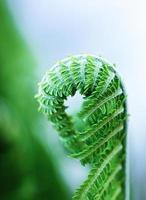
[33,36]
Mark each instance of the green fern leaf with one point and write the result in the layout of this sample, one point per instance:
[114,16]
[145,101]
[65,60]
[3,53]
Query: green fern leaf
[102,142]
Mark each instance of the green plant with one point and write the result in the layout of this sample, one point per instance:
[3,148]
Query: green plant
[102,141]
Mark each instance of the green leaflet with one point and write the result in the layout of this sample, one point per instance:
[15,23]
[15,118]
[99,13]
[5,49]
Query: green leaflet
[102,142]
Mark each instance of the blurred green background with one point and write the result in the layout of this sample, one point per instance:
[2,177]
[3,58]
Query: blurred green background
[28,170]
[33,36]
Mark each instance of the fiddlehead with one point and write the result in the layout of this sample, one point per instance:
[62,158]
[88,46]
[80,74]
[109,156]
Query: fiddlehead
[101,143]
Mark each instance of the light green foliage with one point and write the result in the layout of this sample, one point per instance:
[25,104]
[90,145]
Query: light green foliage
[102,141]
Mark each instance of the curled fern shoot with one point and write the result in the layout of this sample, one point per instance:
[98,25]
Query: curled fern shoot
[102,142]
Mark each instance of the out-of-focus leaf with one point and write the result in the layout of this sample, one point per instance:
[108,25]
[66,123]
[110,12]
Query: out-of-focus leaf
[27,170]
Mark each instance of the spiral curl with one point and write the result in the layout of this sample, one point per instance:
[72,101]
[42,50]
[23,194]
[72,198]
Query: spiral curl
[102,141]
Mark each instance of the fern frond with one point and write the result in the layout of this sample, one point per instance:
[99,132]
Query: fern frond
[102,142]
[99,143]
[109,181]
[81,193]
